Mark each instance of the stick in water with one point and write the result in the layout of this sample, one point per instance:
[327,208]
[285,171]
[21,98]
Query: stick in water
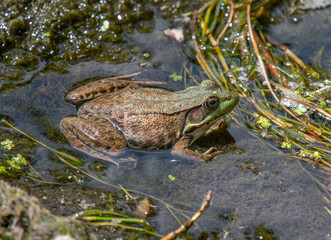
[195,217]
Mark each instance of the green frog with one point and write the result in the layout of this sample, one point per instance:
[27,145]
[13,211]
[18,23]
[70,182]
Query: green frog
[123,114]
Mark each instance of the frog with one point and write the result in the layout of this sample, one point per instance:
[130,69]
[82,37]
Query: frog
[118,114]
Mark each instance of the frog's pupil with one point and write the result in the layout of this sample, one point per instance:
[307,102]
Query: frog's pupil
[211,103]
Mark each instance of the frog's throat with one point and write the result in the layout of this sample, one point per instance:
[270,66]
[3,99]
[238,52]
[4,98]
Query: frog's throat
[194,131]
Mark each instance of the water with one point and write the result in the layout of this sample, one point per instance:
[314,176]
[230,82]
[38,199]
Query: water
[257,185]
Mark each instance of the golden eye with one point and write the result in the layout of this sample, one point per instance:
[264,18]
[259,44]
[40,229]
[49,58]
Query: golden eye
[212,103]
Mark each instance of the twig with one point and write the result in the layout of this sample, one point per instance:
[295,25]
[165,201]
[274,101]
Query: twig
[189,223]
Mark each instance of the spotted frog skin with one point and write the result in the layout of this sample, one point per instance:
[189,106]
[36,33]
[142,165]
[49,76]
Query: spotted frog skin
[121,114]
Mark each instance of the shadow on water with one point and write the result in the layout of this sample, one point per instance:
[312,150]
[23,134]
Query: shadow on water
[264,191]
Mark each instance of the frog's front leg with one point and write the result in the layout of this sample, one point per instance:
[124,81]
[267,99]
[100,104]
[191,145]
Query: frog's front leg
[97,138]
[181,149]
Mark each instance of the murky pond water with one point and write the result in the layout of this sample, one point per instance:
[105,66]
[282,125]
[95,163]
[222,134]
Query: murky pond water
[261,188]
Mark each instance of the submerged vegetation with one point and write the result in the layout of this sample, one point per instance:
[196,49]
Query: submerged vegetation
[12,161]
[283,100]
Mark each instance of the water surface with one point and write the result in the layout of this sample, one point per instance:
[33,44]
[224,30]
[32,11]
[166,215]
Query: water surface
[252,182]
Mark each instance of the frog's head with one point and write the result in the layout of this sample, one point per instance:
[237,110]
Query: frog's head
[214,104]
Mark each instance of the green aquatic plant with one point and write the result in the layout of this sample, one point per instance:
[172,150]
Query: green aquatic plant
[286,145]
[301,109]
[176,77]
[263,121]
[172,178]
[111,218]
[9,159]
[231,47]
[7,144]
[17,162]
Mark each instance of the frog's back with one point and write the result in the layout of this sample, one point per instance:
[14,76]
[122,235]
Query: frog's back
[148,117]
[142,101]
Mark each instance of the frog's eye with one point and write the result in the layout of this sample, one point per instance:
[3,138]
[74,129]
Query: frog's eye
[212,103]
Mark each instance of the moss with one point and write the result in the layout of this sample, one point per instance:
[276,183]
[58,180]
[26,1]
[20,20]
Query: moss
[21,217]
[17,26]
[20,59]
[14,75]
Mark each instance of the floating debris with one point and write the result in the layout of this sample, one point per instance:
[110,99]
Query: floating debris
[176,34]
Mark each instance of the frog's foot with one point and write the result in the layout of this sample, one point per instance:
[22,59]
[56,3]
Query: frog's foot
[181,149]
[209,151]
[96,138]
[210,154]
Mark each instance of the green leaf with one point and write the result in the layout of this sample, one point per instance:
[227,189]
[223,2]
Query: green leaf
[3,170]
[264,122]
[172,178]
[47,34]
[301,109]
[176,77]
[323,104]
[286,145]
[7,144]
[12,163]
